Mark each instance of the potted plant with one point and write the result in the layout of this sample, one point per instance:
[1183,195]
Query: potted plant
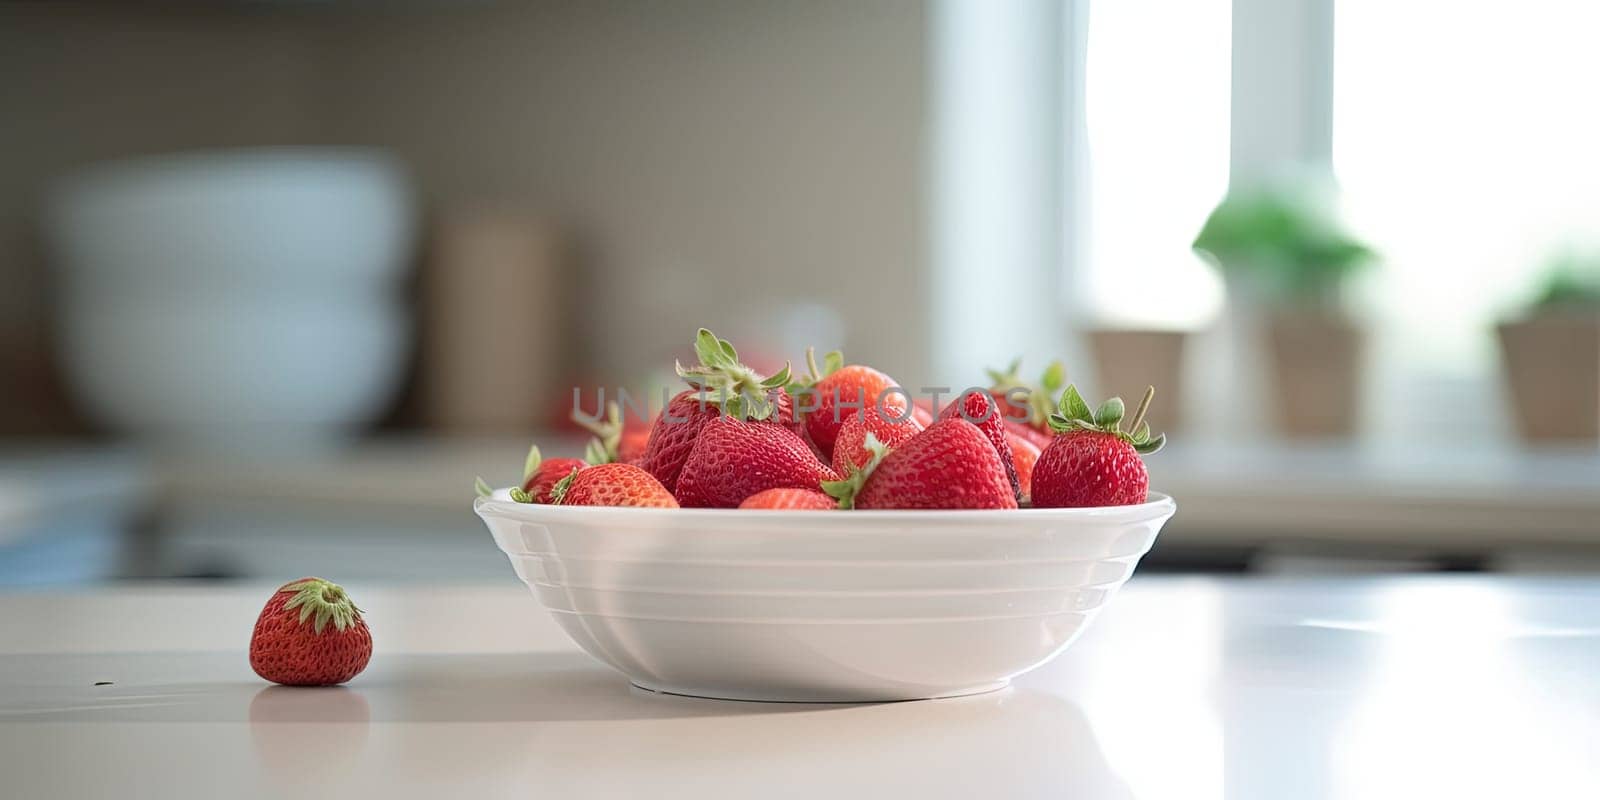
[1281,249]
[1128,359]
[1552,354]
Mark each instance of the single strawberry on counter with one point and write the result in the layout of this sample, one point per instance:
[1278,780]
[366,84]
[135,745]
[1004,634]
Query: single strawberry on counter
[790,499]
[721,385]
[839,392]
[951,465]
[733,459]
[310,634]
[540,475]
[850,449]
[1092,461]
[612,485]
[980,409]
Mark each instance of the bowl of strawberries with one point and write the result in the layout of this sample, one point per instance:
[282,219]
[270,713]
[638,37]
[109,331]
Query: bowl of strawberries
[831,537]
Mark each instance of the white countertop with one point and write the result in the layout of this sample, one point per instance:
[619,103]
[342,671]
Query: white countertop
[1184,688]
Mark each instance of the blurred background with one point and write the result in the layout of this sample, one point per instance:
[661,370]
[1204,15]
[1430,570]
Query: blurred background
[283,277]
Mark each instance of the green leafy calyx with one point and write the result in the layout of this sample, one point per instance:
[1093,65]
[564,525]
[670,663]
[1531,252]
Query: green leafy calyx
[1073,414]
[321,602]
[832,362]
[721,379]
[1040,394]
[558,493]
[845,490]
[607,441]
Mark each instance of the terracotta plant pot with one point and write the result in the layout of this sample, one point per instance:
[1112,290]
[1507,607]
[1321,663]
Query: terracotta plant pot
[1314,360]
[1552,371]
[1127,361]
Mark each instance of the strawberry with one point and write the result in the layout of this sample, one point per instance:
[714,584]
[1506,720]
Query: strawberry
[634,438]
[310,634]
[541,475]
[838,392]
[673,436]
[721,385]
[1093,462]
[612,485]
[790,499]
[979,409]
[1024,404]
[1010,392]
[616,439]
[950,465]
[1024,454]
[733,459]
[850,449]
[1040,439]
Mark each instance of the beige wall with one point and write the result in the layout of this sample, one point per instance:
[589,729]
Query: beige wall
[84,83]
[718,160]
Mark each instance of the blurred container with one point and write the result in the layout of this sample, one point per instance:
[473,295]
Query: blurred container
[496,323]
[1315,361]
[1552,372]
[1127,361]
[235,298]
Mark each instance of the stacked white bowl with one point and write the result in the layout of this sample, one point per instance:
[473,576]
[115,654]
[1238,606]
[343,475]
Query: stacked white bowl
[822,606]
[245,297]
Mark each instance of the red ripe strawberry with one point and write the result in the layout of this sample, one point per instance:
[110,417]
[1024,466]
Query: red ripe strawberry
[310,634]
[541,475]
[612,485]
[950,465]
[839,392]
[850,449]
[1027,404]
[733,459]
[790,499]
[979,409]
[1010,392]
[1093,462]
[722,386]
[631,447]
[1038,438]
[1024,454]
[617,439]
[674,435]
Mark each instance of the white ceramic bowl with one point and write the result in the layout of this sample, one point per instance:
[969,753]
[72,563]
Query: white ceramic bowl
[822,606]
[235,298]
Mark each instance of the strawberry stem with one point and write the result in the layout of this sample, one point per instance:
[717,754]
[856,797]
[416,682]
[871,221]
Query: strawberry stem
[1144,406]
